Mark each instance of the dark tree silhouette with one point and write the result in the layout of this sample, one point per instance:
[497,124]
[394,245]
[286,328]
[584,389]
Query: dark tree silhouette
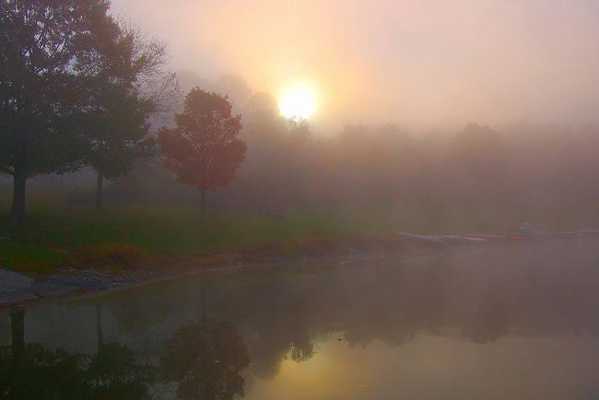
[118,135]
[126,93]
[204,149]
[49,53]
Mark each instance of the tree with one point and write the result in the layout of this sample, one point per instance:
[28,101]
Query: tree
[49,54]
[204,149]
[117,135]
[126,93]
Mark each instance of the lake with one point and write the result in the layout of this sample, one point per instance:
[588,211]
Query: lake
[505,321]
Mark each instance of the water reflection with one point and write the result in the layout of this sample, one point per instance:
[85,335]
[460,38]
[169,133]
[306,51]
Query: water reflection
[205,360]
[34,371]
[516,321]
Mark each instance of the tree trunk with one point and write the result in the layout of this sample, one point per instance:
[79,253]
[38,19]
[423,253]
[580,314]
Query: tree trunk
[100,191]
[19,198]
[203,298]
[17,327]
[203,203]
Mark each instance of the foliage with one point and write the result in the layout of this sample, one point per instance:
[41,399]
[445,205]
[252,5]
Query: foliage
[117,131]
[204,150]
[124,97]
[49,54]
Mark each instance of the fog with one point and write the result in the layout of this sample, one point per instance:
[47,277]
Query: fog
[441,116]
[310,199]
[424,65]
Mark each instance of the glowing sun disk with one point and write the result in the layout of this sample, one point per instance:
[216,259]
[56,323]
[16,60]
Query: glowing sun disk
[298,102]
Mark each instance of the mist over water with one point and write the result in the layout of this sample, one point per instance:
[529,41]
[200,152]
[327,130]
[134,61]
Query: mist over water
[515,320]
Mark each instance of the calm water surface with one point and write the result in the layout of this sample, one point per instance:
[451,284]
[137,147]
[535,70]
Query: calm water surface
[501,322]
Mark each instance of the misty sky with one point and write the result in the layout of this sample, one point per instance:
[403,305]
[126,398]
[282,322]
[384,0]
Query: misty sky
[422,63]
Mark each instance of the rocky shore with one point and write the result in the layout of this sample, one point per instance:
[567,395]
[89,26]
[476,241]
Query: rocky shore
[16,288]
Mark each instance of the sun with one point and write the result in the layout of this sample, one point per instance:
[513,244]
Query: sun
[298,102]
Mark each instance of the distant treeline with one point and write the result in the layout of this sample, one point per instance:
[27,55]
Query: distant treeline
[475,178]
[81,92]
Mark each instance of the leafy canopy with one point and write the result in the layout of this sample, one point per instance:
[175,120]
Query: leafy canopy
[50,52]
[204,149]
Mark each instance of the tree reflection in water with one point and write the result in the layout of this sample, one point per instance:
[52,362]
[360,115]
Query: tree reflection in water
[478,294]
[206,361]
[33,371]
[40,373]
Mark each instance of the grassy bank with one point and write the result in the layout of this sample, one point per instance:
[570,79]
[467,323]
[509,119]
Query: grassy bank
[55,236]
[137,235]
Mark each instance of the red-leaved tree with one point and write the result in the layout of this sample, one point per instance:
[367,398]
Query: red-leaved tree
[204,149]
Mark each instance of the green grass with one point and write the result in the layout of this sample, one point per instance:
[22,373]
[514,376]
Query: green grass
[51,236]
[54,236]
[26,257]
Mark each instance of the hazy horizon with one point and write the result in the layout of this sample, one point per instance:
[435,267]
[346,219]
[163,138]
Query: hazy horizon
[429,64]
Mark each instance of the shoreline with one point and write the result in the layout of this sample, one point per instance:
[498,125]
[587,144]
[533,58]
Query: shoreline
[76,284]
[79,283]
[78,293]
